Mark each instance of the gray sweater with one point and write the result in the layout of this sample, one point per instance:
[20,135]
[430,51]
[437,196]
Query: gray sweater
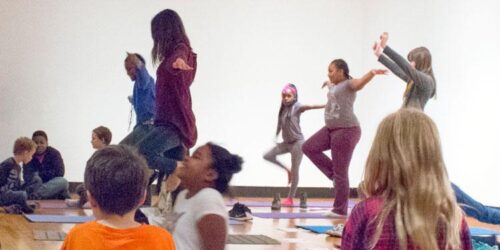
[423,84]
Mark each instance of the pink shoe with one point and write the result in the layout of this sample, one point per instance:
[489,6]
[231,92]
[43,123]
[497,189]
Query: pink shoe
[288,202]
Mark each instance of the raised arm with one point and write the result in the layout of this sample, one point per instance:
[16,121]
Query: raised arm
[309,107]
[418,77]
[394,68]
[358,84]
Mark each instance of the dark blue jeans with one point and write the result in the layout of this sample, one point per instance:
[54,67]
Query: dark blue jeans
[475,209]
[137,134]
[160,147]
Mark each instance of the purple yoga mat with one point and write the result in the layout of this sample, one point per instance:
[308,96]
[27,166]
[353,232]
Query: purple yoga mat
[278,215]
[52,204]
[317,204]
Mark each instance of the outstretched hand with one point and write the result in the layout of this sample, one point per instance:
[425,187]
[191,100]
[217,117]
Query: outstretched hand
[379,71]
[383,39]
[181,64]
[377,49]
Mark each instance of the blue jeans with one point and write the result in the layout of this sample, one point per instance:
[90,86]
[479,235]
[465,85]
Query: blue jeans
[10,197]
[475,209]
[137,134]
[56,188]
[157,145]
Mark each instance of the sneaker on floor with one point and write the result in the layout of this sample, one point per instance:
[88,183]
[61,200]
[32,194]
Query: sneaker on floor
[288,202]
[27,209]
[73,203]
[276,204]
[240,212]
[331,214]
[303,200]
[336,231]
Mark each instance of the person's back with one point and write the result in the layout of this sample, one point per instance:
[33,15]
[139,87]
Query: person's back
[116,178]
[410,202]
[94,235]
[361,227]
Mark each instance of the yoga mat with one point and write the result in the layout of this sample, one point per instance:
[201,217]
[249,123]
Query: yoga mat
[49,235]
[57,218]
[278,215]
[316,229]
[318,204]
[250,239]
[52,204]
[236,222]
[477,231]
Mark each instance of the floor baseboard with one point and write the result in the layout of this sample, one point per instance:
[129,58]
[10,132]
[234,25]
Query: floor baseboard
[251,191]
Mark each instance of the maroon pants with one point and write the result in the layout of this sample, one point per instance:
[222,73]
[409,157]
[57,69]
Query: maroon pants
[341,142]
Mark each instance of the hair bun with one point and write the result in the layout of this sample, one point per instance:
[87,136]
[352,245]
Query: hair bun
[235,163]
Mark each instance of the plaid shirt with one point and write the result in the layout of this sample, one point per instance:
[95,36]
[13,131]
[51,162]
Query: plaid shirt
[358,229]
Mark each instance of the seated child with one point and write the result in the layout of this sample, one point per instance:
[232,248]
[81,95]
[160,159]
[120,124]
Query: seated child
[11,192]
[101,137]
[116,178]
[44,174]
[409,201]
[203,218]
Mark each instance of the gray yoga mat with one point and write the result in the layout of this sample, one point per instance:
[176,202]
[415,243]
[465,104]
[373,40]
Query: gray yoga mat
[251,239]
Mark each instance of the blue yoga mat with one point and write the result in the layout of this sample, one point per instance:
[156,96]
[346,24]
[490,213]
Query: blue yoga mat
[57,218]
[316,229]
[477,231]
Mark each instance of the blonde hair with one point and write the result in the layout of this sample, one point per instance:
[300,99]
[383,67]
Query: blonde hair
[405,169]
[23,144]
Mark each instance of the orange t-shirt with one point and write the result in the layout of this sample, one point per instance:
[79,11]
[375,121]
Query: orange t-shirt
[95,236]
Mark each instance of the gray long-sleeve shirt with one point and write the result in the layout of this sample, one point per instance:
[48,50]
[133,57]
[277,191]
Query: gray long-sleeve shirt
[423,84]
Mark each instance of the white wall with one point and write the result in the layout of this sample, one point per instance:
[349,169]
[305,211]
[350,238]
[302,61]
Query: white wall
[61,71]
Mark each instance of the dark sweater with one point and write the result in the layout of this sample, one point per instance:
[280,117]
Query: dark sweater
[51,166]
[9,175]
[173,97]
[423,84]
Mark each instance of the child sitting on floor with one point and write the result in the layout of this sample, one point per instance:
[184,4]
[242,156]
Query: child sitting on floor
[11,192]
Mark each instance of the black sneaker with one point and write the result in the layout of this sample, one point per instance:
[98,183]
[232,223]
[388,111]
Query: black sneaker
[303,200]
[240,212]
[276,204]
[28,208]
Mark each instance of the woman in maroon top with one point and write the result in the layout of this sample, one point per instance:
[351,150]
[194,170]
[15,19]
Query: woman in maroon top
[175,127]
[409,200]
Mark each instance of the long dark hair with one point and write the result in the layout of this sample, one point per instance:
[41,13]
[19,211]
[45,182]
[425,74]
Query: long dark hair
[167,31]
[423,62]
[290,85]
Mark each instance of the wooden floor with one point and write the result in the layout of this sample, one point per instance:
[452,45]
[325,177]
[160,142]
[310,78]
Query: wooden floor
[17,233]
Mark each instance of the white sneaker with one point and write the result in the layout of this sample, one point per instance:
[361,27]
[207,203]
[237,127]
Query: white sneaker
[331,214]
[71,203]
[336,231]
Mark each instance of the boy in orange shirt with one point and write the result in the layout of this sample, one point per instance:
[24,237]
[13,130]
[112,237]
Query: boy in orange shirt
[116,178]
